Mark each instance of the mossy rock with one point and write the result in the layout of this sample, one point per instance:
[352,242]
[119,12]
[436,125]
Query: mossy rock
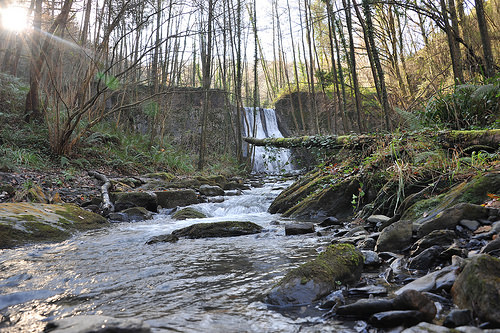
[23,223]
[332,200]
[474,191]
[339,264]
[478,288]
[167,176]
[297,191]
[188,213]
[218,229]
[218,180]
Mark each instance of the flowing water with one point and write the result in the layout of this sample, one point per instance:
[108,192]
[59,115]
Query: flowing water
[262,123]
[202,285]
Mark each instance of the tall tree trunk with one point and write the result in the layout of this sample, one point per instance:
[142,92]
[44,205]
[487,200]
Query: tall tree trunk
[345,118]
[354,74]
[456,35]
[333,45]
[456,65]
[312,89]
[32,105]
[206,61]
[295,70]
[86,22]
[489,68]
[376,60]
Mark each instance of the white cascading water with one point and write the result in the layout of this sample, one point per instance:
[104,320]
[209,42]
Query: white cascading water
[265,160]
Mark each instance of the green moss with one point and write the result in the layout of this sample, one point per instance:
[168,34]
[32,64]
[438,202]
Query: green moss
[212,180]
[340,262]
[422,208]
[80,218]
[45,231]
[314,181]
[188,213]
[27,217]
[161,175]
[476,191]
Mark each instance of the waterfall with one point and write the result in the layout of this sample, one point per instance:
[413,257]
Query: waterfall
[265,159]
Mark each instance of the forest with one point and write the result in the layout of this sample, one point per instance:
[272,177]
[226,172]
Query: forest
[167,79]
[250,166]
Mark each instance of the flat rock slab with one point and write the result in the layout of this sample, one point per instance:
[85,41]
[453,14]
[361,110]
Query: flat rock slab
[22,223]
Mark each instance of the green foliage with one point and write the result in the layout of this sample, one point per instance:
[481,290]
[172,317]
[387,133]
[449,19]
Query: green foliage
[151,109]
[12,97]
[467,106]
[22,157]
[109,80]
[409,119]
[132,152]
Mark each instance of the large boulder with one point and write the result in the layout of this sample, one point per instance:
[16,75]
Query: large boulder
[450,217]
[97,323]
[175,198]
[339,264]
[124,200]
[428,215]
[22,223]
[218,229]
[478,288]
[395,237]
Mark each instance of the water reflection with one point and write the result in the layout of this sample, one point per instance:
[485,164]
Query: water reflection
[198,285]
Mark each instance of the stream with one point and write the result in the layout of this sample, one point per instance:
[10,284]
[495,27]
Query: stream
[200,285]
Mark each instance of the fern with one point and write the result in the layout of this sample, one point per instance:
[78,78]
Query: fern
[410,120]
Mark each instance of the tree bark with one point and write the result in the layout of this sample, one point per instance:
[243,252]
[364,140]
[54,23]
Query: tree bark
[376,62]
[354,74]
[447,139]
[489,68]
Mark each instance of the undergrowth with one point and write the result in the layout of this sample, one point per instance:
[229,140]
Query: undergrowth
[111,149]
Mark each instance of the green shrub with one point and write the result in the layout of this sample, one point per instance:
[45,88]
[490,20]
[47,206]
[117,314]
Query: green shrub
[467,106]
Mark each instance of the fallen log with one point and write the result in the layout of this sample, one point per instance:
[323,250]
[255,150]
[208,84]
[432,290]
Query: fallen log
[107,205]
[447,139]
[326,142]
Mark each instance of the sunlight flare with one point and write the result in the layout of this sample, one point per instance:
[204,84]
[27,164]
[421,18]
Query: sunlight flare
[14,18]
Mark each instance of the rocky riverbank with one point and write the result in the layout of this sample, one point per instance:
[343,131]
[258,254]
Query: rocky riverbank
[50,207]
[423,262]
[433,267]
